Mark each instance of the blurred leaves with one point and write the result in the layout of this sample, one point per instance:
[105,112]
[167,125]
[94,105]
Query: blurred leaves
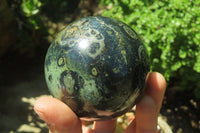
[30,7]
[57,10]
[170,30]
[34,23]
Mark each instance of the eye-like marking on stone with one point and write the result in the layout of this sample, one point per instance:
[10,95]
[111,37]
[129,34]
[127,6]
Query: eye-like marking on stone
[99,37]
[141,52]
[93,32]
[61,61]
[71,43]
[94,71]
[130,32]
[95,49]
[116,70]
[50,78]
[95,43]
[68,82]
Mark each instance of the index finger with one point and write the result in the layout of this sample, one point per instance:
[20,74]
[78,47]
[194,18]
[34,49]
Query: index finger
[148,108]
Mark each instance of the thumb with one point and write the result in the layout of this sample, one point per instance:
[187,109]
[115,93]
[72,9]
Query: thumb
[58,116]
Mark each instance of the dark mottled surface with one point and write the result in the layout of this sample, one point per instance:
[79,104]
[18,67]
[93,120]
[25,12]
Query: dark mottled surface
[97,66]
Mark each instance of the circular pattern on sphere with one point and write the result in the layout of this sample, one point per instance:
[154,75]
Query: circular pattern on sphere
[98,67]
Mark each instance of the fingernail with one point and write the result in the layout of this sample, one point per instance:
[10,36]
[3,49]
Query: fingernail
[147,104]
[38,107]
[162,81]
[41,114]
[147,100]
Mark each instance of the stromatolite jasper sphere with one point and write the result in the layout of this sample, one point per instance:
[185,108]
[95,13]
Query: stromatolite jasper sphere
[97,66]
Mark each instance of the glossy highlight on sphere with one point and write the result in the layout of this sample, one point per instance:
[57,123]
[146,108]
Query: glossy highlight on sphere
[97,66]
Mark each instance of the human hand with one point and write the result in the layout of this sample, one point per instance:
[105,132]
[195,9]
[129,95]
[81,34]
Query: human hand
[61,119]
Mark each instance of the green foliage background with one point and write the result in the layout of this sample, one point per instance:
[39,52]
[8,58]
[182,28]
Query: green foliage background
[170,30]
[33,23]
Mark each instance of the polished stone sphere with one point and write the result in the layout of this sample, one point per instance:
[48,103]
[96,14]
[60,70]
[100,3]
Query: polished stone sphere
[97,66]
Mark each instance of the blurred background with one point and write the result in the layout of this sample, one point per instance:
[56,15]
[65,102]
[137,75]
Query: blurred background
[170,29]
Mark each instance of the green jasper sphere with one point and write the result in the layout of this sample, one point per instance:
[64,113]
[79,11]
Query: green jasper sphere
[97,66]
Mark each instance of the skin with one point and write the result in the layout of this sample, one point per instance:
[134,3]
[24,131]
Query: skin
[61,119]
